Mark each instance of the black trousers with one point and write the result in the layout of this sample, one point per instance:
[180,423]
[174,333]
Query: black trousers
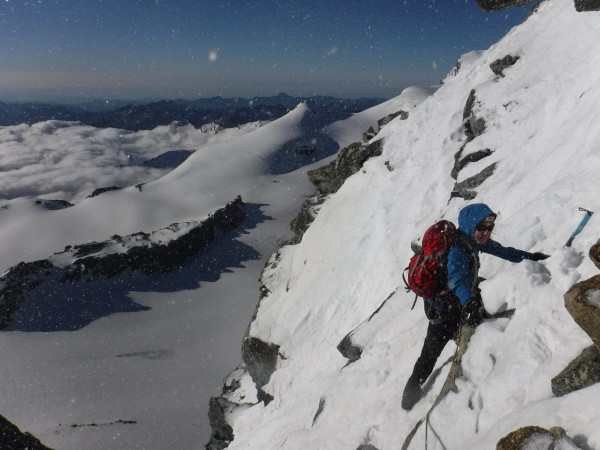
[444,324]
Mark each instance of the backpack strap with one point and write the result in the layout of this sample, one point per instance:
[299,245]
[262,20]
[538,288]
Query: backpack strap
[463,241]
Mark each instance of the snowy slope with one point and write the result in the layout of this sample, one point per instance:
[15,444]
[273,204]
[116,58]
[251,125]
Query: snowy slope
[135,359]
[541,119]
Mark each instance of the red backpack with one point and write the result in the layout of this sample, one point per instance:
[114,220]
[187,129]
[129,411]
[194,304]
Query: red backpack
[424,267]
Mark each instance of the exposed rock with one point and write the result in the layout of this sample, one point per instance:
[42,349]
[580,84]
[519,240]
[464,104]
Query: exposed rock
[307,214]
[594,254]
[157,258]
[329,179]
[102,190]
[587,5]
[536,437]
[222,433]
[369,134]
[347,347]
[261,361]
[319,410]
[499,65]
[387,119]
[496,5]
[11,438]
[473,126]
[18,281]
[582,372]
[349,350]
[583,303]
[461,163]
[146,256]
[464,189]
[54,204]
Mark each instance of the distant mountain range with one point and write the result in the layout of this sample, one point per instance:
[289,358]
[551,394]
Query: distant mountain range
[226,112]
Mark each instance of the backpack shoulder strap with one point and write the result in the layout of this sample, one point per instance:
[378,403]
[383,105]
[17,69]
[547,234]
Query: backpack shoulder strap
[467,245]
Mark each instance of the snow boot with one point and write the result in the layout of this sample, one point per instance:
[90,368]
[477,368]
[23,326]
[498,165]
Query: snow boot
[412,393]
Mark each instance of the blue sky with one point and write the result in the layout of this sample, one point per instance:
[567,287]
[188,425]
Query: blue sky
[72,50]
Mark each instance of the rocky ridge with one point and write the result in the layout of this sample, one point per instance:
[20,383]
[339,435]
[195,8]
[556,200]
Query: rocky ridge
[147,253]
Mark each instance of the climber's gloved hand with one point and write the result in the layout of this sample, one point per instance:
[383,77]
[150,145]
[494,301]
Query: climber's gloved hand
[539,256]
[471,313]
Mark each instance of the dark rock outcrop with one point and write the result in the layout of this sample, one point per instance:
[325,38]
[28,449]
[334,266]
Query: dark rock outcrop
[11,438]
[102,190]
[260,359]
[499,65]
[582,372]
[307,214]
[587,5]
[349,350]
[465,189]
[329,179]
[146,256]
[387,119]
[158,258]
[18,282]
[497,5]
[583,303]
[222,433]
[594,254]
[460,162]
[473,126]
[54,204]
[541,438]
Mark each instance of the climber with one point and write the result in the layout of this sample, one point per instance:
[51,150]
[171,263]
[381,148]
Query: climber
[461,303]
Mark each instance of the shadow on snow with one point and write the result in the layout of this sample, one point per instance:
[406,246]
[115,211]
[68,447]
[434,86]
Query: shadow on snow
[55,306]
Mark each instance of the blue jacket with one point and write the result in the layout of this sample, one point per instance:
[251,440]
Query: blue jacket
[463,267]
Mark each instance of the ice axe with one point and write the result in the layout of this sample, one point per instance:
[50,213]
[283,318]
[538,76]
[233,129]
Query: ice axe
[581,225]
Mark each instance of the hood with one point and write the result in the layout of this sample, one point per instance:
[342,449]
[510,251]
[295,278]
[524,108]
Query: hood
[471,215]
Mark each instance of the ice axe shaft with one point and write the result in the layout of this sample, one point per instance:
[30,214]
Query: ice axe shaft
[581,225]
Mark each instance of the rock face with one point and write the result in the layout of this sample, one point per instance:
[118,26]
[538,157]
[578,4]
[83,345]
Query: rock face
[587,5]
[497,5]
[13,438]
[328,179]
[594,254]
[536,437]
[582,372]
[583,303]
[222,433]
[260,359]
[139,252]
[499,65]
[473,126]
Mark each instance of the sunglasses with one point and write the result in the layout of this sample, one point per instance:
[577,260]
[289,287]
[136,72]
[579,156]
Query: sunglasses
[485,227]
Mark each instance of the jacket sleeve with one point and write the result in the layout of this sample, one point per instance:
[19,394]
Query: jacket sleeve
[509,253]
[458,274]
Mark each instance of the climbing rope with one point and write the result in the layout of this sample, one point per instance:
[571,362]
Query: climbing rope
[447,387]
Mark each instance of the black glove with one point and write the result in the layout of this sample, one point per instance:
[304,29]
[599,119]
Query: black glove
[471,313]
[538,256]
